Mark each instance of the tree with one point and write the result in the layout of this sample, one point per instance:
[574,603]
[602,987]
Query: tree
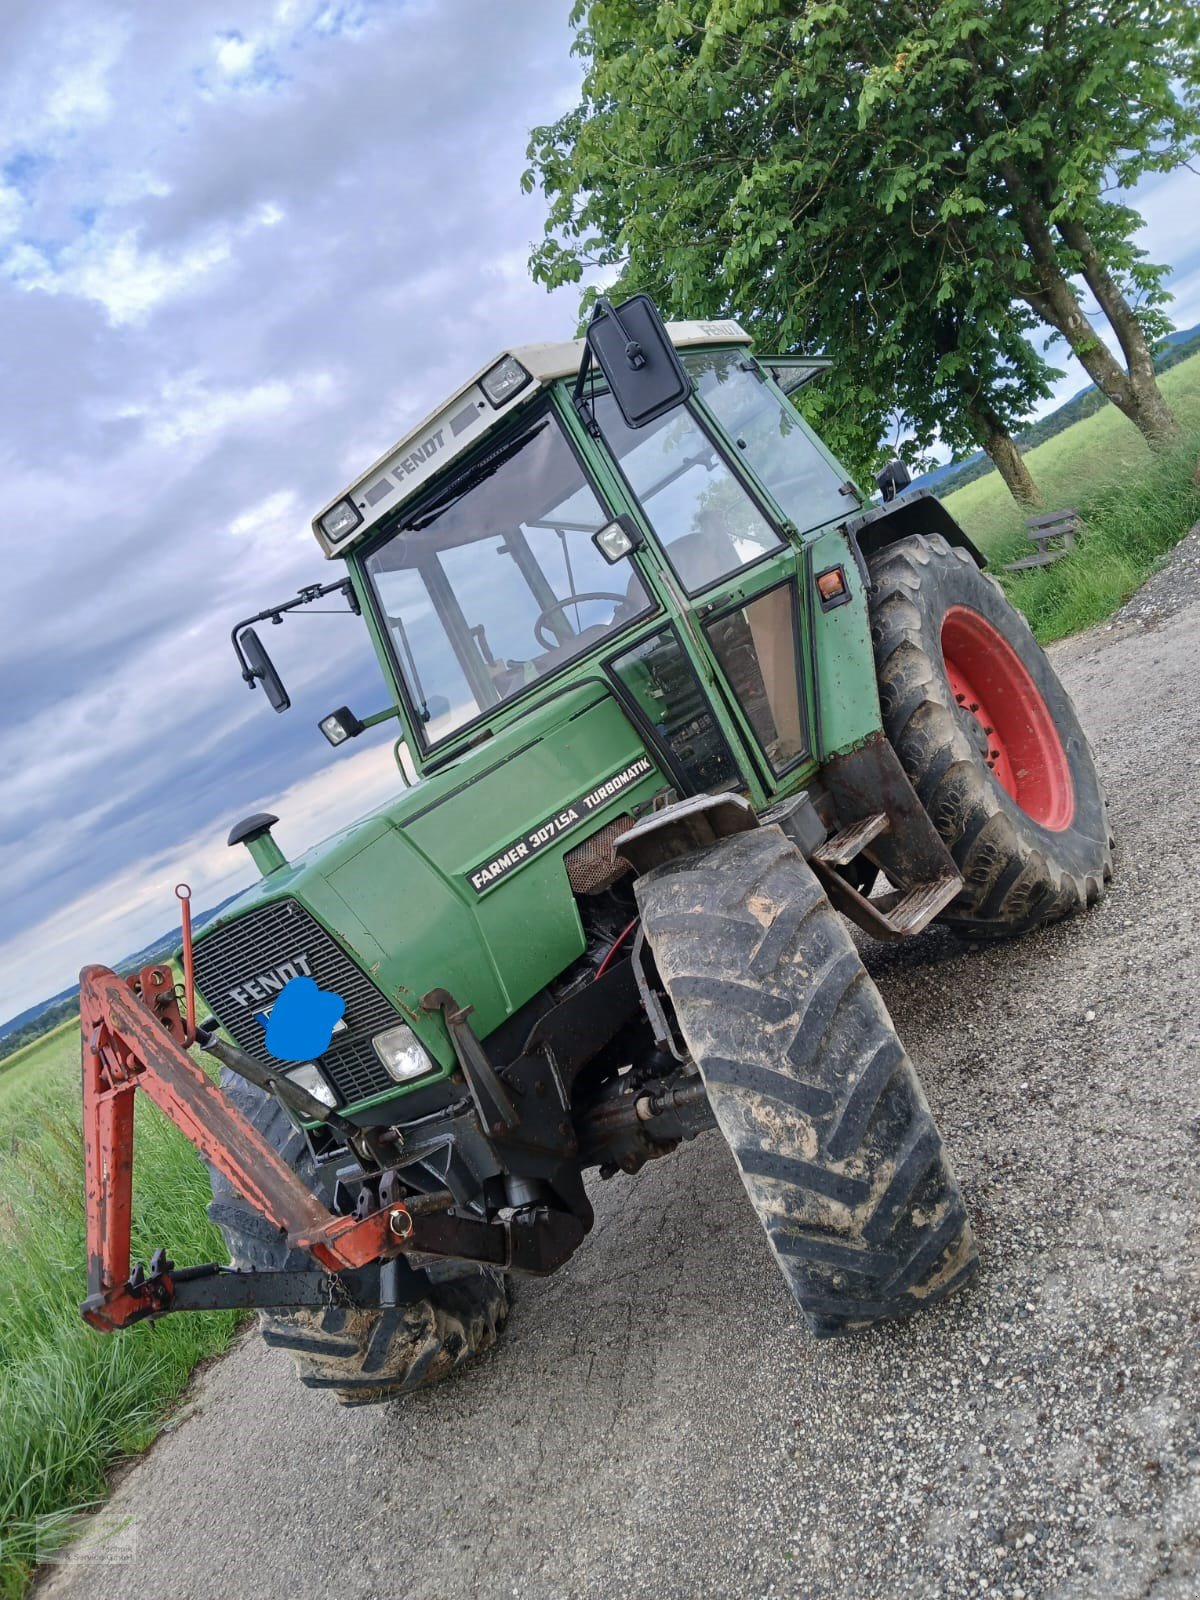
[1029,114]
[686,168]
[829,173]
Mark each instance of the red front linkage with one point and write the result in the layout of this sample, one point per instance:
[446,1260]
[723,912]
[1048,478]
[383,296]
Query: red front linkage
[134,1037]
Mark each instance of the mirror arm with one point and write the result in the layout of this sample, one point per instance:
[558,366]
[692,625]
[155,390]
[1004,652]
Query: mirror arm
[305,597]
[583,403]
[633,350]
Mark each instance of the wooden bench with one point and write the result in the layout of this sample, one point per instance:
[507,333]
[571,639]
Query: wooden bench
[1065,525]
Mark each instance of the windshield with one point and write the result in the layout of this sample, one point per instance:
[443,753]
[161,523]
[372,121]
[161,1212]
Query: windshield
[803,483]
[497,583]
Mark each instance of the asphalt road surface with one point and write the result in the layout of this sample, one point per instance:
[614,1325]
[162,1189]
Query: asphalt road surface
[657,1423]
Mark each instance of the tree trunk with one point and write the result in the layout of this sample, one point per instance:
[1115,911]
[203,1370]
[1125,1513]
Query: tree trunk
[1134,393]
[1154,415]
[1002,448]
[1055,301]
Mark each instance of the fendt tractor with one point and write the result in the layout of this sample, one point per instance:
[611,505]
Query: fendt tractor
[682,703]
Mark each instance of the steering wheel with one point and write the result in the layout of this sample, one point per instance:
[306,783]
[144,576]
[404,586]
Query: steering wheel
[560,606]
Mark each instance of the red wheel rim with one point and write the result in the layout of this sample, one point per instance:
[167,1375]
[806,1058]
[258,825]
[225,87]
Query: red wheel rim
[1022,747]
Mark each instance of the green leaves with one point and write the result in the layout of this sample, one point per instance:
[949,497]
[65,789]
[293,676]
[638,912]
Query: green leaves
[889,184]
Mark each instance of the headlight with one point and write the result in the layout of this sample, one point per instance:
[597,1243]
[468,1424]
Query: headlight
[339,520]
[402,1053]
[505,379]
[340,725]
[307,1076]
[617,538]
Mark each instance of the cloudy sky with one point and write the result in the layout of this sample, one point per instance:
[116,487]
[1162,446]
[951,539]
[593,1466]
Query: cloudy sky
[243,246]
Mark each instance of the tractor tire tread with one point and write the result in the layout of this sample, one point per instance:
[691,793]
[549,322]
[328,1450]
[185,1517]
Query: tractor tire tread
[1016,874]
[810,1086]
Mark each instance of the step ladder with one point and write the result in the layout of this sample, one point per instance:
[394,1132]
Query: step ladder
[896,914]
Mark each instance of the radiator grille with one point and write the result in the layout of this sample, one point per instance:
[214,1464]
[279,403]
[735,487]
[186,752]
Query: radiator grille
[271,938]
[592,866]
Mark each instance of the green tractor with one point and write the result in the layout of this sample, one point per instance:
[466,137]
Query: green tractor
[681,704]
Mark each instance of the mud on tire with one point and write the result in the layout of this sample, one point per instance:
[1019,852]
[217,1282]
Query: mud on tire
[810,1085]
[363,1356]
[1019,871]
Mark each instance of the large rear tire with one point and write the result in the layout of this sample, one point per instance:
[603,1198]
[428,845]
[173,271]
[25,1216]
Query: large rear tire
[809,1084]
[363,1356]
[990,740]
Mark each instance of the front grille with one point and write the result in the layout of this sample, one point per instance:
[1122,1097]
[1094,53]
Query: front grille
[271,938]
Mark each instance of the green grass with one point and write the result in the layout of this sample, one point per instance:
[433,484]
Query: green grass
[72,1401]
[1135,505]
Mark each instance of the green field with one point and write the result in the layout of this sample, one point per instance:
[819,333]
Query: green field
[72,1401]
[1136,506]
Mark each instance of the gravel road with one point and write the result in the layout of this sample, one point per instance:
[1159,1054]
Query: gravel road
[657,1423]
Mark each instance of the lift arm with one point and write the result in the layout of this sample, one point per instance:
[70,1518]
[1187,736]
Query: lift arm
[133,1038]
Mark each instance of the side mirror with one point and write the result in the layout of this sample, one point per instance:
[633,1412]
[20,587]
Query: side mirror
[633,349]
[894,477]
[259,668]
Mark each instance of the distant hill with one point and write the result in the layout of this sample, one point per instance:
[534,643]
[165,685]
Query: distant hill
[36,1020]
[1175,347]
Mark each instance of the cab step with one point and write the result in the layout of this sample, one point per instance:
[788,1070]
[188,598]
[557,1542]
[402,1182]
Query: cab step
[842,847]
[907,911]
[899,913]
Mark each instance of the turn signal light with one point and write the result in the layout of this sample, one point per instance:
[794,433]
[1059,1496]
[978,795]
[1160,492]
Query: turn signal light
[831,585]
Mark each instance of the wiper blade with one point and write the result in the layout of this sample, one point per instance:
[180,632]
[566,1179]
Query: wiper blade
[482,470]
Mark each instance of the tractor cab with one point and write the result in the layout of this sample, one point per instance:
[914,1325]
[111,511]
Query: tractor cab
[651,520]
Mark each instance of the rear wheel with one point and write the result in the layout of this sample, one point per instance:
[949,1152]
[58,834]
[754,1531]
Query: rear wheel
[990,740]
[809,1084]
[363,1356]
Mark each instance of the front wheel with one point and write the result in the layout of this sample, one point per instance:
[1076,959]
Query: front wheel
[808,1082]
[990,740]
[362,1355]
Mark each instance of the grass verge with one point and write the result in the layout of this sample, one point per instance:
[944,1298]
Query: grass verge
[74,1402]
[1136,506]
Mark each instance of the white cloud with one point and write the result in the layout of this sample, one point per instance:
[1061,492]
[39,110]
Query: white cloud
[234,54]
[82,95]
[127,281]
[189,409]
[12,208]
[276,517]
[114,268]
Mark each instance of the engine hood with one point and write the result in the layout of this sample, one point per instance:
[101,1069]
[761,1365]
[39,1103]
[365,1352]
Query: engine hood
[460,883]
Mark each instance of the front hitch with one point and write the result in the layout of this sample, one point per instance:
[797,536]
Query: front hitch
[134,1038]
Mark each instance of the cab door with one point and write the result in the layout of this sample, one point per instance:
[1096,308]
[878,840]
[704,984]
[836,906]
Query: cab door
[731,563]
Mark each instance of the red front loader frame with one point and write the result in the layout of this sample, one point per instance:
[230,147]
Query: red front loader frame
[134,1037]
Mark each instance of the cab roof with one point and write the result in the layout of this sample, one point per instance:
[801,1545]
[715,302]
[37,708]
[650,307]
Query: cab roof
[464,419]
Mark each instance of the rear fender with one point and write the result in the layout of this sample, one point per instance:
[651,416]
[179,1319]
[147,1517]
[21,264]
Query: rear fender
[915,511]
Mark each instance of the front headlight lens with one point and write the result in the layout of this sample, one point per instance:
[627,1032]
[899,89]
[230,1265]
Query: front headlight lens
[403,1055]
[505,379]
[340,725]
[340,520]
[307,1076]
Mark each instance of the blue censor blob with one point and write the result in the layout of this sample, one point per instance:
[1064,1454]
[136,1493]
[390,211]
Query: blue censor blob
[302,1020]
